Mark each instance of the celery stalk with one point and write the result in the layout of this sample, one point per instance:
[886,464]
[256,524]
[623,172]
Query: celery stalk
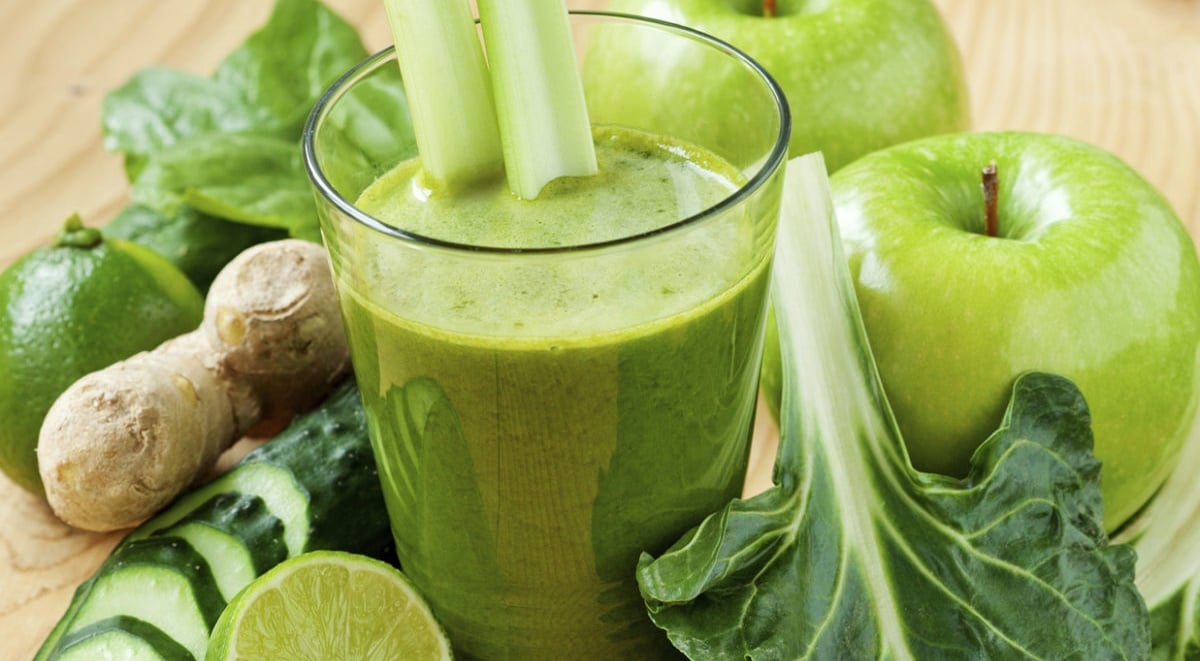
[540,103]
[449,90]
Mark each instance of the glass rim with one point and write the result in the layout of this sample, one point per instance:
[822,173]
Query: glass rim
[344,82]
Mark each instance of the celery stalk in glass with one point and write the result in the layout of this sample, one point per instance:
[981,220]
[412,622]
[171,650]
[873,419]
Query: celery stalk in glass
[449,91]
[540,104]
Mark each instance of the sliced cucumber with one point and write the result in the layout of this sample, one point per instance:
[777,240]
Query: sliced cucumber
[122,637]
[314,486]
[162,581]
[64,623]
[345,509]
[275,485]
[237,534]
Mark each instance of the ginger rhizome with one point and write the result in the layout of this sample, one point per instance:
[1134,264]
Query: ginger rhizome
[121,443]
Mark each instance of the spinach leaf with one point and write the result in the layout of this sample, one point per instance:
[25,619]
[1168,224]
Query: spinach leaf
[854,553]
[283,68]
[229,145]
[158,107]
[368,131]
[239,176]
[197,244]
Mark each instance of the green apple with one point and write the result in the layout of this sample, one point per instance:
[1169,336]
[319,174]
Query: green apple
[1090,275]
[859,75]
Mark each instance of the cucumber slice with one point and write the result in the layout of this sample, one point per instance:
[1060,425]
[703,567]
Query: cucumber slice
[162,581]
[284,497]
[64,623]
[237,534]
[318,477]
[345,510]
[122,637]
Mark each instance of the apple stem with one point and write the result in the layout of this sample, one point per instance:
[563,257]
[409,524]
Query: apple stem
[768,9]
[991,194]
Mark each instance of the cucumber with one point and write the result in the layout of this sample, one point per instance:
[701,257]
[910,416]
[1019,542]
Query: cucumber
[122,637]
[161,581]
[312,487]
[64,623]
[285,498]
[238,536]
[329,474]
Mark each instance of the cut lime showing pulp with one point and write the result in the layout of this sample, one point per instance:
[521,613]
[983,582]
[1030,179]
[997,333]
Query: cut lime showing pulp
[328,605]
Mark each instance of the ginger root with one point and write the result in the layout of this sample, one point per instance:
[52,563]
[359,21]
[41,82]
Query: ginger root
[121,443]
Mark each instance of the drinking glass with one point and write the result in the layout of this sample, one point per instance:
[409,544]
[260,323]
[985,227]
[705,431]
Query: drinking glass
[543,415]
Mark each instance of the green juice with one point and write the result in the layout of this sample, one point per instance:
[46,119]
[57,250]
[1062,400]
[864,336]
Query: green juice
[539,420]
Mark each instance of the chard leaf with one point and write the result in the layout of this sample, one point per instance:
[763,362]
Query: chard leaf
[1166,536]
[238,176]
[283,68]
[855,554]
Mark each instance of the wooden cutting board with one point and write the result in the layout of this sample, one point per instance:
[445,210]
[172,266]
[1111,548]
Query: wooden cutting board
[1122,74]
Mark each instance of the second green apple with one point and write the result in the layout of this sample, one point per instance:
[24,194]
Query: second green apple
[859,75]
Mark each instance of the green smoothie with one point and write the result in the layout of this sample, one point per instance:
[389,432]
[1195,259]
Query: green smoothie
[540,419]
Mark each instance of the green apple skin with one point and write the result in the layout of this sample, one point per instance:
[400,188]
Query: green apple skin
[1091,275]
[859,75]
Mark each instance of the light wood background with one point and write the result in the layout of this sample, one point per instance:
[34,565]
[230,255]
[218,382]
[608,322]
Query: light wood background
[1122,74]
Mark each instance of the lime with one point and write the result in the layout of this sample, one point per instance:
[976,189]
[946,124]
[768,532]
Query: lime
[72,308]
[326,605]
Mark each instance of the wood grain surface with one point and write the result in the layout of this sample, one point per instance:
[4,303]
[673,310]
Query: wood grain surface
[1122,74]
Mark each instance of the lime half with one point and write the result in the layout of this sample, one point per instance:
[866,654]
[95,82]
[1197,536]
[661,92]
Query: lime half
[329,605]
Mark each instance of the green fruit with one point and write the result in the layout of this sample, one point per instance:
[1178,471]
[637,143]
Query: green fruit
[329,605]
[1091,276]
[859,75]
[72,308]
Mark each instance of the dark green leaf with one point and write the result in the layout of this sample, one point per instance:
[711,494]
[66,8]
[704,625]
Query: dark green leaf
[229,146]
[1175,623]
[368,132]
[1166,535]
[855,554]
[159,107]
[284,67]
[198,244]
[243,177]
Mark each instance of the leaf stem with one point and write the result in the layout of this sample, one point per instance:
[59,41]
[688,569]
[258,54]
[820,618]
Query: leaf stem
[448,87]
[540,103]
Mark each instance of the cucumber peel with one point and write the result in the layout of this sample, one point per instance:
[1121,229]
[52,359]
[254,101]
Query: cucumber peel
[161,581]
[122,637]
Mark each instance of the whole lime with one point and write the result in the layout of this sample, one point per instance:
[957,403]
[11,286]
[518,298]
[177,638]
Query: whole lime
[72,308]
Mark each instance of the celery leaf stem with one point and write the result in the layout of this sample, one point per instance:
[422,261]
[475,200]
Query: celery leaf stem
[448,87]
[540,103]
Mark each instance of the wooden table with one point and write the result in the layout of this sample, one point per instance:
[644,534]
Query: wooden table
[1123,74]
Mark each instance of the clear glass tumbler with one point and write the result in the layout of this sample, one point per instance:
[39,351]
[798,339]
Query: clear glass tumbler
[543,415]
